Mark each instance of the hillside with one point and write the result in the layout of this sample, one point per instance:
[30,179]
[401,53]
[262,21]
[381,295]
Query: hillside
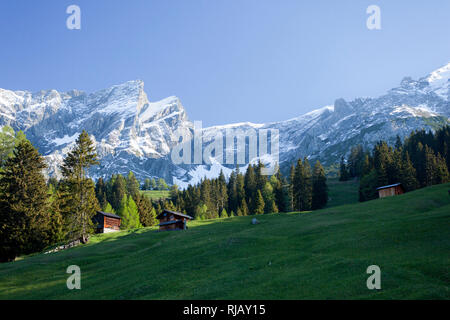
[314,255]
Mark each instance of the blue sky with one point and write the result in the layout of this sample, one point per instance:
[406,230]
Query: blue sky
[227,60]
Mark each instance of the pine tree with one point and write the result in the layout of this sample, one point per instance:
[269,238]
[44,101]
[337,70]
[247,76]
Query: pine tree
[269,197]
[118,191]
[162,185]
[243,208]
[430,166]
[259,203]
[129,213]
[232,192]
[408,174]
[147,213]
[100,192]
[441,174]
[272,207]
[320,192]
[108,208]
[306,187]
[24,203]
[147,184]
[80,189]
[291,189]
[224,213]
[250,185]
[297,183]
[132,185]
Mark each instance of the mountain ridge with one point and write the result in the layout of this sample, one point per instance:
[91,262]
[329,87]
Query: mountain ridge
[133,133]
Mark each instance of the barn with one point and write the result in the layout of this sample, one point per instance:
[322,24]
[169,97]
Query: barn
[106,222]
[171,220]
[390,190]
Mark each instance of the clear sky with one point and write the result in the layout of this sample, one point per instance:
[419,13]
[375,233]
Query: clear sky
[227,60]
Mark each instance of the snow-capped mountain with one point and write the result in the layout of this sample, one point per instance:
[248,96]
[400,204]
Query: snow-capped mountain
[132,133]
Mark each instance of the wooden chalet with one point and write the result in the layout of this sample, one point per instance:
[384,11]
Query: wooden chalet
[171,220]
[106,222]
[390,190]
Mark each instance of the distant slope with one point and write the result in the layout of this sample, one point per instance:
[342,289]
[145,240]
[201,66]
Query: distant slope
[156,194]
[316,255]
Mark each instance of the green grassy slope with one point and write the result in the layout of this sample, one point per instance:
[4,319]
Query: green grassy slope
[342,192]
[156,194]
[316,255]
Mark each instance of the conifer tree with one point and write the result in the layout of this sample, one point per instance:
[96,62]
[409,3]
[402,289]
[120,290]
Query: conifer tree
[224,213]
[259,203]
[118,191]
[408,174]
[132,185]
[250,185]
[147,184]
[147,214]
[232,192]
[24,203]
[129,213]
[82,203]
[320,192]
[243,208]
[100,192]
[297,183]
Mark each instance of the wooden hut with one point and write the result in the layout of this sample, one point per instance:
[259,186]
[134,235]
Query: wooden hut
[390,190]
[106,222]
[171,220]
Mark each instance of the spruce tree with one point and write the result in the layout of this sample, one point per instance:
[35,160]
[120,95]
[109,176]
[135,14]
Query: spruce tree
[82,203]
[24,203]
[100,192]
[320,192]
[132,185]
[243,208]
[118,191]
[259,203]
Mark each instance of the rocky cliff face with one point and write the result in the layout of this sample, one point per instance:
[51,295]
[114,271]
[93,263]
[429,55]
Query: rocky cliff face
[132,133]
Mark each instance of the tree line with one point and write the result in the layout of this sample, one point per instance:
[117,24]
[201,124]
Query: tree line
[421,160]
[254,193]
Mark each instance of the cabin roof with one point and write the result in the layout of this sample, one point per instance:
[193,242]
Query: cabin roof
[169,222]
[111,215]
[389,186]
[174,213]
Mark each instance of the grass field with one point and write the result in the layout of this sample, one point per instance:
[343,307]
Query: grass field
[312,255]
[342,192]
[156,194]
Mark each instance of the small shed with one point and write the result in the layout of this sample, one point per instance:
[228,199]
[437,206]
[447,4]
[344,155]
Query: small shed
[106,222]
[390,190]
[171,220]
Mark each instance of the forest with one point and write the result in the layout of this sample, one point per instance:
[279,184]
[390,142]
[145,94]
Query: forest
[421,160]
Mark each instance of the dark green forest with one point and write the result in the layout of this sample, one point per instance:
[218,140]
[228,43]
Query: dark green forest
[421,160]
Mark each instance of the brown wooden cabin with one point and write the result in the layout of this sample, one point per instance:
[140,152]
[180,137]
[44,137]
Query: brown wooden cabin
[106,222]
[171,220]
[390,190]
